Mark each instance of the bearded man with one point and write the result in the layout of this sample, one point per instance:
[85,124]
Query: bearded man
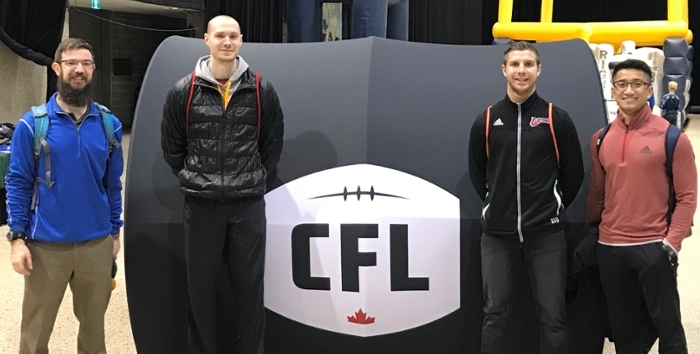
[64,204]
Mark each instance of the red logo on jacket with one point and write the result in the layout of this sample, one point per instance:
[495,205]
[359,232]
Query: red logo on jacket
[535,121]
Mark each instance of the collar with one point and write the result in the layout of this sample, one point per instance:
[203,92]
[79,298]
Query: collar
[638,121]
[247,81]
[525,106]
[52,106]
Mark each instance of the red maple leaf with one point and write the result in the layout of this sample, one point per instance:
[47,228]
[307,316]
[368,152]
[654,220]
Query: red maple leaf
[361,317]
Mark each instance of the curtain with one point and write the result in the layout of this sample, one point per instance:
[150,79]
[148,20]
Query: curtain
[33,29]
[446,21]
[261,21]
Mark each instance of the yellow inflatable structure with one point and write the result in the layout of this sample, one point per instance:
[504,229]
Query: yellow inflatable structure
[643,33]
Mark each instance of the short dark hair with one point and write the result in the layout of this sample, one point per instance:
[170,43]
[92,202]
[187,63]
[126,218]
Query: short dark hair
[71,44]
[520,45]
[633,64]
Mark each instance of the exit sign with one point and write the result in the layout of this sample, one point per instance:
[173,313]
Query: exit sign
[95,4]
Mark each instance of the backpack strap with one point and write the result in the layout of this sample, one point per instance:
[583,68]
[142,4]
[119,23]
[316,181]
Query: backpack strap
[599,141]
[551,129]
[488,125]
[257,96]
[41,127]
[602,134]
[672,135]
[108,125]
[189,102]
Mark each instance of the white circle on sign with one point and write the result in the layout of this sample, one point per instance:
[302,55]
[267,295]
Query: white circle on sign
[319,272]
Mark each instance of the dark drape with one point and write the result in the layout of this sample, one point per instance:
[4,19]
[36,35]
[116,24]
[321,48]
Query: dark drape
[418,23]
[261,21]
[576,11]
[33,29]
[445,21]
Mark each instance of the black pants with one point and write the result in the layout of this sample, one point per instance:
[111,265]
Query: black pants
[544,258]
[624,270]
[235,233]
[671,118]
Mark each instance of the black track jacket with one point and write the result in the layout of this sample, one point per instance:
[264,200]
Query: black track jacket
[523,186]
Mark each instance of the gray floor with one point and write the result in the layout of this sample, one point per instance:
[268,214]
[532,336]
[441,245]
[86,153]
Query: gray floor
[120,340]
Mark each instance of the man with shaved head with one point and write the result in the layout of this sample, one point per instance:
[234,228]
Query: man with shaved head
[222,133]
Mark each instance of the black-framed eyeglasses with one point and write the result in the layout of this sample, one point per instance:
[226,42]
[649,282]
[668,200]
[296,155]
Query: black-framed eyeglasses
[73,63]
[636,84]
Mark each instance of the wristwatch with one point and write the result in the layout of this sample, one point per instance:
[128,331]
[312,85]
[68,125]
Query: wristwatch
[16,235]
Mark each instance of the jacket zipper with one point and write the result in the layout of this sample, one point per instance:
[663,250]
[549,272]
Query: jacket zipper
[520,212]
[223,118]
[77,129]
[221,150]
[624,144]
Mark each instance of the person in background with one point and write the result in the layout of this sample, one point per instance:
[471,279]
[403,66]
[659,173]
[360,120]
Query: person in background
[671,104]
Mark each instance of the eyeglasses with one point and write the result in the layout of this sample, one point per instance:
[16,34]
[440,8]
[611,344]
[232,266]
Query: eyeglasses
[622,85]
[73,63]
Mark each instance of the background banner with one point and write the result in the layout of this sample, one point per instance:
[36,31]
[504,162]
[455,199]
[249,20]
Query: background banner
[373,224]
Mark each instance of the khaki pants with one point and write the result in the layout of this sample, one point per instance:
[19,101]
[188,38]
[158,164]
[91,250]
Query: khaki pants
[87,267]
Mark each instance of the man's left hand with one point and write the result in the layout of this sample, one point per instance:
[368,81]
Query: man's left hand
[670,251]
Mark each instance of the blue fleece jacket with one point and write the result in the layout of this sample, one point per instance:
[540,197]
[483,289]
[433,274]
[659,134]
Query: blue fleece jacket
[77,207]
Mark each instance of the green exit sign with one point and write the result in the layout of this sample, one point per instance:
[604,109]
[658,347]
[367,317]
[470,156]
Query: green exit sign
[95,4]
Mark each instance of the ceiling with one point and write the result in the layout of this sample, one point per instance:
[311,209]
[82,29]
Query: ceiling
[133,6]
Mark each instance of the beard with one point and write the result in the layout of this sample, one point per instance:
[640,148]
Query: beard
[74,96]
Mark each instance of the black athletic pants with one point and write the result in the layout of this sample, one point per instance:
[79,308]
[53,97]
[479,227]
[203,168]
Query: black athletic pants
[232,231]
[623,271]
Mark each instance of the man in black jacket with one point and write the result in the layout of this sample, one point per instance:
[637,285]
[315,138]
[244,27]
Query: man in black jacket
[222,133]
[525,162]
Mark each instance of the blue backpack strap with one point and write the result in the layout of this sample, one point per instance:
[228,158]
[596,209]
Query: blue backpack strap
[672,135]
[41,128]
[108,125]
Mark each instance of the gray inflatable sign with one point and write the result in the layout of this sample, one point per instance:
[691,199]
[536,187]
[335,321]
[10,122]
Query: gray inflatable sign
[399,105]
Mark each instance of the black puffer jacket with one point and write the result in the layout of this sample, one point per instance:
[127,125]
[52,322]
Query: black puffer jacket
[219,155]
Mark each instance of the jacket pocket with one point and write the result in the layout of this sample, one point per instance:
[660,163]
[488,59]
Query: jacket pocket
[499,217]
